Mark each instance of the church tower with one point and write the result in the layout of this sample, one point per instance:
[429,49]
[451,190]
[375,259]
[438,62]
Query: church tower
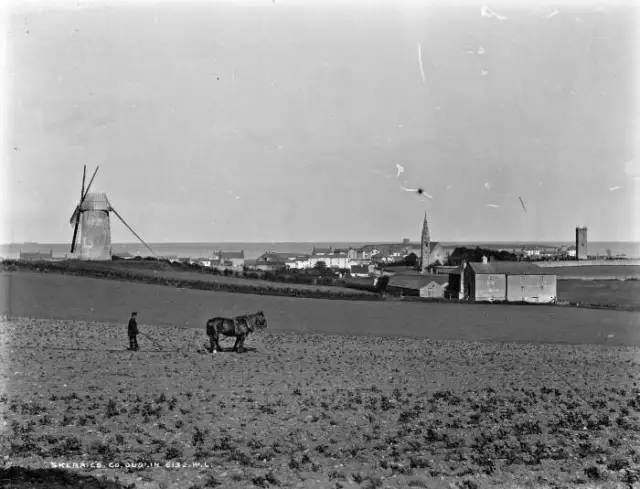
[425,245]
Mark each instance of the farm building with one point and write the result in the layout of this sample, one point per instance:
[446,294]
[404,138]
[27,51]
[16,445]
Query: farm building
[500,281]
[418,285]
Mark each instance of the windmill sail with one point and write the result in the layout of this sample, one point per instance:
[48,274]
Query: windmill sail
[134,233]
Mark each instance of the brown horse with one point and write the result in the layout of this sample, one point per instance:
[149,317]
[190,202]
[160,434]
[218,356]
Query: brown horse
[240,327]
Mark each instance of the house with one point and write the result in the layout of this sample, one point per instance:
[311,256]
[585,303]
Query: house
[510,281]
[204,262]
[272,260]
[35,255]
[229,259]
[362,270]
[571,251]
[331,261]
[418,285]
[322,251]
[363,254]
[370,250]
[532,252]
[299,262]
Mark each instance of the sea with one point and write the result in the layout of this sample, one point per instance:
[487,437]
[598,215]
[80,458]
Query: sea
[254,250]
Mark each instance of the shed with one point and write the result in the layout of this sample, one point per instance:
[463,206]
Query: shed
[419,285]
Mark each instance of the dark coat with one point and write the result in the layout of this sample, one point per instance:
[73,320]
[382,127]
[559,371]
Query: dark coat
[133,327]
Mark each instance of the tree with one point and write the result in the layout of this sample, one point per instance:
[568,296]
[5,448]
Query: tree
[382,284]
[320,266]
[411,260]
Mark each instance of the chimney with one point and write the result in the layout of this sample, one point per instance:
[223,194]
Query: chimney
[484,260]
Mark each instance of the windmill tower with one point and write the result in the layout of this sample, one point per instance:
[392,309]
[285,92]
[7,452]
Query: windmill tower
[91,218]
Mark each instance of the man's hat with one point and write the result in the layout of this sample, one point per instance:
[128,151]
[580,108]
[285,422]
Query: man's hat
[134,313]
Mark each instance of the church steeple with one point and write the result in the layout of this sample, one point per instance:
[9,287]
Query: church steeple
[425,246]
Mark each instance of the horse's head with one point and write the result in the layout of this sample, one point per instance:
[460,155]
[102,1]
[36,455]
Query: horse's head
[261,320]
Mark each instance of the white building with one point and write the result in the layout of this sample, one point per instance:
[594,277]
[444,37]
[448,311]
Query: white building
[331,261]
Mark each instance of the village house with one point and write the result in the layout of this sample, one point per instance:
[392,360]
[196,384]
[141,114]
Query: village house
[322,251]
[272,260]
[299,262]
[362,270]
[500,281]
[369,251]
[532,252]
[234,259]
[340,260]
[203,262]
[419,285]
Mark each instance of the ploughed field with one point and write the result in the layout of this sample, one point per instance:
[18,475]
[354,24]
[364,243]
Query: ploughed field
[312,410]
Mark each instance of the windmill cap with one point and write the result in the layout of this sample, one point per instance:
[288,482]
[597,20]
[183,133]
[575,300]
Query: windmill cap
[96,202]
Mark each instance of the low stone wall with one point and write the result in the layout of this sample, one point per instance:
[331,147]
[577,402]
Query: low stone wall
[586,263]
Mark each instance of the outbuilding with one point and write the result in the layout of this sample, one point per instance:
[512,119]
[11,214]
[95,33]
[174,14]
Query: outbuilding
[418,285]
[510,281]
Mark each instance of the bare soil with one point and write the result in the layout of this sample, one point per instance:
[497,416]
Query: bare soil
[305,410]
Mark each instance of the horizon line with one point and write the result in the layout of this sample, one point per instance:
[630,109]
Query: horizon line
[466,241]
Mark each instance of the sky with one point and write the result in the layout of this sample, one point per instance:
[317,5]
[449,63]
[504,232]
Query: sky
[284,120]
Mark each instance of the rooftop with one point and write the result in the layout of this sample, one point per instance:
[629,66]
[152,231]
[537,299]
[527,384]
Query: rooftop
[228,255]
[416,282]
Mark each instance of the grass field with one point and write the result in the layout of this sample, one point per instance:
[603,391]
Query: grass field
[334,394]
[68,297]
[163,273]
[598,271]
[601,292]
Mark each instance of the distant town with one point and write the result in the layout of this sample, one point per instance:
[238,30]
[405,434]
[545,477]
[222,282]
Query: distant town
[427,269]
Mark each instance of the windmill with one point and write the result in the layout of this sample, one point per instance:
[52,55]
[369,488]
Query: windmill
[91,218]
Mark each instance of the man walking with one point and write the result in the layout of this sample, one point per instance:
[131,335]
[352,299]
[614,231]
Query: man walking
[133,332]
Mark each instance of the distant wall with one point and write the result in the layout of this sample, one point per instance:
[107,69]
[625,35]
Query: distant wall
[582,263]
